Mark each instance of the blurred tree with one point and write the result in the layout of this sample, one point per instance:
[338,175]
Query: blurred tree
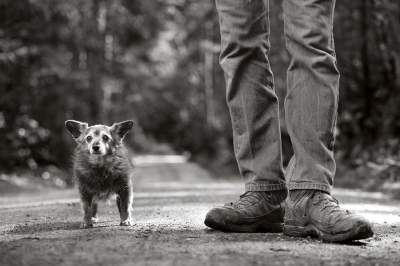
[157,62]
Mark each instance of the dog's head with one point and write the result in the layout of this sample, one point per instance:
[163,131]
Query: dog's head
[98,139]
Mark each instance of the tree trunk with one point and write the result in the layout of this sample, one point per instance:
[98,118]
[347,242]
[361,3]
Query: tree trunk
[95,59]
[365,69]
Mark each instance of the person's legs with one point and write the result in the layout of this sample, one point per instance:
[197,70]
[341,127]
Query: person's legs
[313,89]
[251,98]
[311,110]
[253,107]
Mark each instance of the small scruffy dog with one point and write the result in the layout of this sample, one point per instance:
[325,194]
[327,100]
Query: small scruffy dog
[102,167]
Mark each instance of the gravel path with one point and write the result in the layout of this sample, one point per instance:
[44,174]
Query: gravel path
[171,201]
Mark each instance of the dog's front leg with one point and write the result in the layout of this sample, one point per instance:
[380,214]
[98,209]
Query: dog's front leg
[124,203]
[87,201]
[94,211]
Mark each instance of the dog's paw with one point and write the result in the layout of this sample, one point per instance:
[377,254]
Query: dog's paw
[94,220]
[86,225]
[126,222]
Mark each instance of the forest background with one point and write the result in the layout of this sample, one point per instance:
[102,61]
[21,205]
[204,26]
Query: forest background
[156,62]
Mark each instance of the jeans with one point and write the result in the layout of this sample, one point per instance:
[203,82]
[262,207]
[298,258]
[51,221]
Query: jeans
[312,93]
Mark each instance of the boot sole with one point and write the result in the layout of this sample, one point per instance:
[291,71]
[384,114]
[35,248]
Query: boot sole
[261,226]
[361,232]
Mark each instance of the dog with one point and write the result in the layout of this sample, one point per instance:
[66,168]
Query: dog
[101,167]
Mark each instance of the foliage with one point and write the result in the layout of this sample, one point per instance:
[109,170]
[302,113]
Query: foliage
[157,62]
[369,123]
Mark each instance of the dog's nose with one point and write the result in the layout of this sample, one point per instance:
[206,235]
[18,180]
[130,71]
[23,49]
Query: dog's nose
[96,148]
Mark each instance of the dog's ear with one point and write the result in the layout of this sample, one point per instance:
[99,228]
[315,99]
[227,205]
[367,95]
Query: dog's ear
[120,129]
[76,128]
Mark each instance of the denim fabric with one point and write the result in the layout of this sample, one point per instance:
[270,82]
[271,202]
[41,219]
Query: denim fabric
[311,101]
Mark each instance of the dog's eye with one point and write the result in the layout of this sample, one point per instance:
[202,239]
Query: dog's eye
[89,138]
[105,138]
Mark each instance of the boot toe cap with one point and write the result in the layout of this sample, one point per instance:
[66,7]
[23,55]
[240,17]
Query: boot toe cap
[216,218]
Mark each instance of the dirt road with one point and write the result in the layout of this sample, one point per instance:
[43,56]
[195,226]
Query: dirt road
[170,204]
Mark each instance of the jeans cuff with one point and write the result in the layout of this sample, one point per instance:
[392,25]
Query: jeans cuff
[264,186]
[315,186]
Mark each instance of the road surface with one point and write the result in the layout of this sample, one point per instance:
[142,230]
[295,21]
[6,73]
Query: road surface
[171,200]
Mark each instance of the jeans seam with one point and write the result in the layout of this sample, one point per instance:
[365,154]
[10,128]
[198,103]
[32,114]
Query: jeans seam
[248,130]
[332,14]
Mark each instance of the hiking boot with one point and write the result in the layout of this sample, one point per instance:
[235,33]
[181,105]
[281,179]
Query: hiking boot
[315,213]
[255,211]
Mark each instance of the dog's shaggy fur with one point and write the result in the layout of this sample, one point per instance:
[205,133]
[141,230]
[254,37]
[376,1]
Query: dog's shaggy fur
[102,167]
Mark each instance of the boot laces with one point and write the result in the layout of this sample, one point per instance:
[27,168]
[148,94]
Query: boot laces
[329,204]
[247,199]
